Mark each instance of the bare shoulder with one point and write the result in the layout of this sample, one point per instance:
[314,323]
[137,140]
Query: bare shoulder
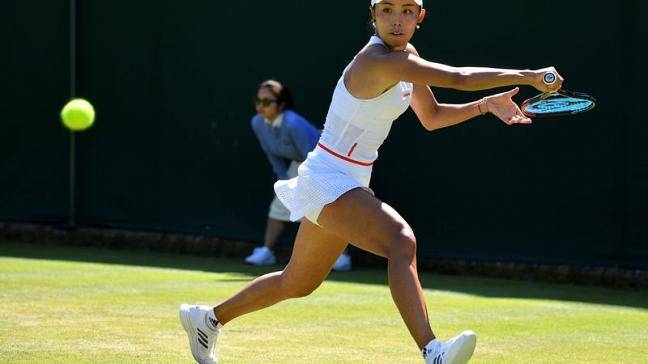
[367,62]
[372,54]
[365,78]
[381,57]
[377,61]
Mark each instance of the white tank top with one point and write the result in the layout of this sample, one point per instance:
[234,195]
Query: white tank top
[356,128]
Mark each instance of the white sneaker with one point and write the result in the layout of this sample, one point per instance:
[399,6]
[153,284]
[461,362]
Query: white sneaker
[261,256]
[202,339]
[457,350]
[343,263]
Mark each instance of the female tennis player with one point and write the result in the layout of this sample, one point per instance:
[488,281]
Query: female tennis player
[331,190]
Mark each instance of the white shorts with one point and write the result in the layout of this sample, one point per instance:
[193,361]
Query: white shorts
[278,210]
[322,178]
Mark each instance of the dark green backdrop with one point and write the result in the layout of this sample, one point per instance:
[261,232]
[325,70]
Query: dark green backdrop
[172,148]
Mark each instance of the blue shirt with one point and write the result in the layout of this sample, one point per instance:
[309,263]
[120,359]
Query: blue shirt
[291,141]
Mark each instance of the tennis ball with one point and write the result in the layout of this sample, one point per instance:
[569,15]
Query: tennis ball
[78,114]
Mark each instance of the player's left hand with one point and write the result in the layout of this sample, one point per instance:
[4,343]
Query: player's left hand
[502,106]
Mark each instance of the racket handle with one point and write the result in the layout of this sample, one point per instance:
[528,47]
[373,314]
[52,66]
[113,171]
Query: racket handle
[549,78]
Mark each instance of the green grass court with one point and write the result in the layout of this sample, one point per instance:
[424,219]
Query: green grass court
[89,305]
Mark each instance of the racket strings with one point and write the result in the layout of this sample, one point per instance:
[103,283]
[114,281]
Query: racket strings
[558,104]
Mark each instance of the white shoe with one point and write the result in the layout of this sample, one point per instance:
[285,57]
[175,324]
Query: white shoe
[261,256]
[202,338]
[343,263]
[457,350]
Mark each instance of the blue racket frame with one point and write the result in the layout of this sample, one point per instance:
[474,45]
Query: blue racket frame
[557,103]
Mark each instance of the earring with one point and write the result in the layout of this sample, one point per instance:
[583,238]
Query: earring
[418,26]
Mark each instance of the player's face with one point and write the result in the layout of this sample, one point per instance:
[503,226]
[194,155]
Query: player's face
[396,21]
[266,104]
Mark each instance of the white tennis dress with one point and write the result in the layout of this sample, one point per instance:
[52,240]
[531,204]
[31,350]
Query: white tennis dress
[343,159]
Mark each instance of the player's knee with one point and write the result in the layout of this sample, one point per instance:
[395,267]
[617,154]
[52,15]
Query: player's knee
[296,288]
[403,244]
[297,291]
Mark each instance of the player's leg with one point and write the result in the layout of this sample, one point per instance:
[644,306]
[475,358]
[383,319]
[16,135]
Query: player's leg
[313,255]
[314,252]
[372,225]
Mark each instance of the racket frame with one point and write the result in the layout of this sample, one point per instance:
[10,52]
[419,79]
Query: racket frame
[560,92]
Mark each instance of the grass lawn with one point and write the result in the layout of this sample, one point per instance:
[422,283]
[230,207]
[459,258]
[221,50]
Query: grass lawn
[63,304]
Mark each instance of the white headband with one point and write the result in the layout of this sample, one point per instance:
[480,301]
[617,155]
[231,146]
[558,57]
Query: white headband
[419,2]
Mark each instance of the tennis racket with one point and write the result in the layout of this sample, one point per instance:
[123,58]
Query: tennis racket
[557,103]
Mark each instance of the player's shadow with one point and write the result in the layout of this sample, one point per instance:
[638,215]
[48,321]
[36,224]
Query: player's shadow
[478,286]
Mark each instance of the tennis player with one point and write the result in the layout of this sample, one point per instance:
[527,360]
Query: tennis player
[331,190]
[286,138]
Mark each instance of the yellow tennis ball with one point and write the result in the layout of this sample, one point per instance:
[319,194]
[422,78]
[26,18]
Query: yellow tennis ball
[78,114]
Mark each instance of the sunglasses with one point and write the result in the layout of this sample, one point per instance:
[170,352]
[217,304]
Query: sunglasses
[264,102]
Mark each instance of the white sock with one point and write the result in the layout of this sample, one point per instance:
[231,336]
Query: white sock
[211,320]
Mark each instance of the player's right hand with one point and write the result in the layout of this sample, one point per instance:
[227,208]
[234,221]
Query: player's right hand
[539,80]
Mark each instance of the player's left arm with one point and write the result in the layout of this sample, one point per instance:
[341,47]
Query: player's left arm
[410,66]
[483,78]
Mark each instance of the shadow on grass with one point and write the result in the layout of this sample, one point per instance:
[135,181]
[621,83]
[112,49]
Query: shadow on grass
[478,286]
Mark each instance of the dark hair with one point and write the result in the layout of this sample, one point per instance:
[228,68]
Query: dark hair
[281,92]
[371,24]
